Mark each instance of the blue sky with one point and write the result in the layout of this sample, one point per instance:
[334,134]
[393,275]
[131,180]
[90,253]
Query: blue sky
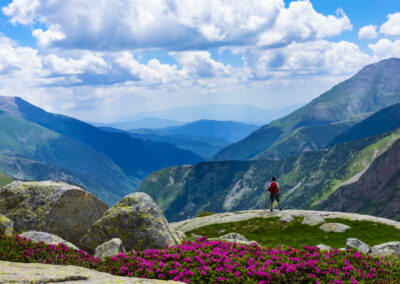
[102,60]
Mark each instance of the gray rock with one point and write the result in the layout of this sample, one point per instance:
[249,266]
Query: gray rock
[54,207]
[334,227]
[313,219]
[178,235]
[6,225]
[233,237]
[110,248]
[136,220]
[391,248]
[14,272]
[47,238]
[323,247]
[359,245]
[286,218]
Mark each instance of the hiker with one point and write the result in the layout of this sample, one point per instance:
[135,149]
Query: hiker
[273,188]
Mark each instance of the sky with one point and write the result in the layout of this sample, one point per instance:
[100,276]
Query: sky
[100,60]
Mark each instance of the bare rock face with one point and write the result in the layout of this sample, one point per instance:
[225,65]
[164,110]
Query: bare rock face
[286,218]
[6,225]
[391,248]
[136,220]
[323,247]
[14,272]
[313,219]
[53,207]
[233,237]
[334,227]
[47,238]
[110,248]
[359,245]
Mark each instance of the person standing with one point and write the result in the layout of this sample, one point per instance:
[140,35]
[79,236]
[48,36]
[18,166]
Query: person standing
[273,188]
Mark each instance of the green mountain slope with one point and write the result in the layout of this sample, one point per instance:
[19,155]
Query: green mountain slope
[306,180]
[23,139]
[110,165]
[375,87]
[385,120]
[4,180]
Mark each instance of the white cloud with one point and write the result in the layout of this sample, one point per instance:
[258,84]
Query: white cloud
[22,11]
[173,24]
[200,64]
[89,62]
[14,58]
[385,48]
[368,32]
[306,59]
[300,22]
[44,38]
[392,26]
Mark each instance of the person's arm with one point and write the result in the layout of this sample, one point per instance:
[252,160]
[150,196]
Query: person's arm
[279,189]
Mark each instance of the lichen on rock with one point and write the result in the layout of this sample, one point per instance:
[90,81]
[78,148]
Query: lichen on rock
[47,238]
[110,248]
[6,225]
[136,220]
[53,207]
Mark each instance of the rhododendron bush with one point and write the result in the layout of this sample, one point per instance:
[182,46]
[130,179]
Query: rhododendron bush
[205,261]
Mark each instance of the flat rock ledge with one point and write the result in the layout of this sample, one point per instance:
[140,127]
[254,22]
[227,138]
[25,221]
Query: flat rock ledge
[13,272]
[220,218]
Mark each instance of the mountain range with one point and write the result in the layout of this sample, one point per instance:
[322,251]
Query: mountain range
[108,164]
[203,137]
[316,124]
[339,152]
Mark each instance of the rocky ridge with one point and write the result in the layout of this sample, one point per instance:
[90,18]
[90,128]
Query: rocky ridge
[219,218]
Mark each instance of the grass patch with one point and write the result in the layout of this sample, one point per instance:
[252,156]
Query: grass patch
[4,180]
[205,214]
[271,232]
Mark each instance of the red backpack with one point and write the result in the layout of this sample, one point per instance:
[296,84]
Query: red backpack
[273,188]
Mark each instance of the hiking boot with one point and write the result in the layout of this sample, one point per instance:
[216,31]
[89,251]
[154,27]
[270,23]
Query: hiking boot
[280,208]
[271,210]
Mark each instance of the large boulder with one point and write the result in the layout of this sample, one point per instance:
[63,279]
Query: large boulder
[357,244]
[391,248]
[110,248]
[47,238]
[313,219]
[233,237]
[136,220]
[6,225]
[54,207]
[334,227]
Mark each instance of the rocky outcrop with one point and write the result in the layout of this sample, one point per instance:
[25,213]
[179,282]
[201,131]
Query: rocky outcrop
[220,218]
[6,225]
[110,248]
[286,218]
[323,247]
[136,220]
[11,272]
[47,238]
[391,248]
[313,219]
[233,237]
[357,244]
[54,207]
[334,227]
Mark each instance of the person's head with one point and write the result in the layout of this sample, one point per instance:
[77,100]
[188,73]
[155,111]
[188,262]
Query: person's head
[273,178]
